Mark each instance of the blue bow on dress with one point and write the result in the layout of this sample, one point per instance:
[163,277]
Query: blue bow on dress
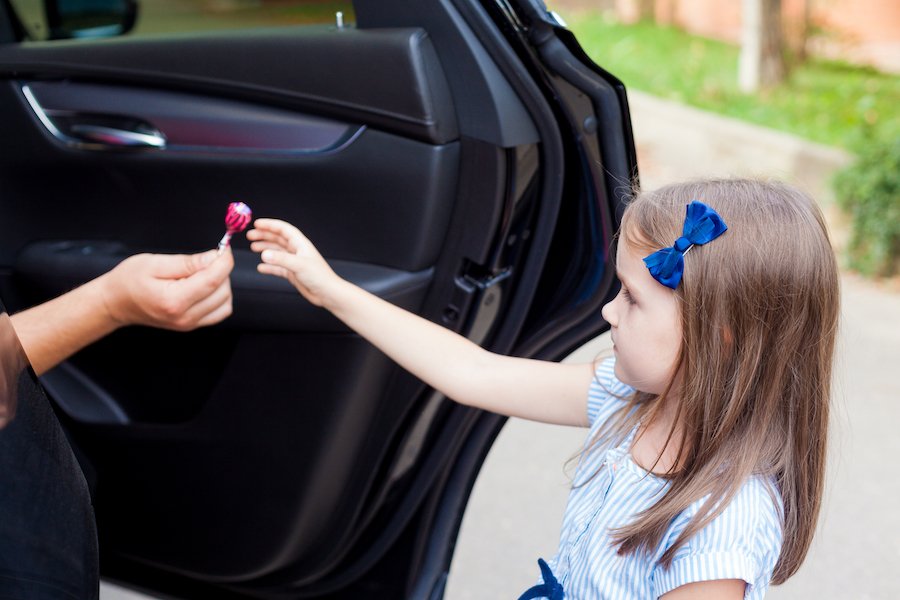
[701,225]
[550,589]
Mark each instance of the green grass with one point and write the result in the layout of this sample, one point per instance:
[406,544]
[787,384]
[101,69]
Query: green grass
[164,17]
[188,16]
[824,101]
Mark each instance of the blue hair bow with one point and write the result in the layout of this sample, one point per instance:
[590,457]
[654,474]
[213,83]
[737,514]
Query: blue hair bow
[701,225]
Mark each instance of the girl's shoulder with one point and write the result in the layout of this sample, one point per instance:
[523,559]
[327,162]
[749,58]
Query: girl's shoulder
[606,394]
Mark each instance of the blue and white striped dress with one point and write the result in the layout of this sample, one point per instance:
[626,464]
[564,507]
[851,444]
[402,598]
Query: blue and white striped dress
[742,543]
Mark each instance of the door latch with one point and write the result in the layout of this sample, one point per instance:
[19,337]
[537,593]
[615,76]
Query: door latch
[479,287]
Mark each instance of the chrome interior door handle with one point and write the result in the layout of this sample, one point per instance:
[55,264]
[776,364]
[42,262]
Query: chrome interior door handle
[111,136]
[95,131]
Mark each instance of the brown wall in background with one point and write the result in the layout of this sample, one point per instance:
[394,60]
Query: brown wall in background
[859,31]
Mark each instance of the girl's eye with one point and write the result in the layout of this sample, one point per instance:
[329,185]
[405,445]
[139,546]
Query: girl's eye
[627,295]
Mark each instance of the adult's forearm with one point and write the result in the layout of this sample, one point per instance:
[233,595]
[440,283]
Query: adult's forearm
[55,330]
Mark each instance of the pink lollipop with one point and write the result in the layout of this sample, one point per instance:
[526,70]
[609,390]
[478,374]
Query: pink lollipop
[237,217]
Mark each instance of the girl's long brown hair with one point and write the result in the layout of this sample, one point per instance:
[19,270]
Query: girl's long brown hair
[759,310]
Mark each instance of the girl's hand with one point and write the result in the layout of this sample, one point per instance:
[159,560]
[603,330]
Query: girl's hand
[287,253]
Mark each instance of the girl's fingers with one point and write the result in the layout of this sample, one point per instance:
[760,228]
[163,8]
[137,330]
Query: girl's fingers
[273,270]
[260,246]
[278,228]
[286,253]
[280,258]
[262,231]
[294,238]
[255,235]
[297,242]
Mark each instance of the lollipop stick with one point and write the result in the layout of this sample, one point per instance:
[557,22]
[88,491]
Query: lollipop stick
[223,243]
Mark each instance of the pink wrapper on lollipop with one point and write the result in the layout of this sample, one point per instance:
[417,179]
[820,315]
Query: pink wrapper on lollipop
[237,217]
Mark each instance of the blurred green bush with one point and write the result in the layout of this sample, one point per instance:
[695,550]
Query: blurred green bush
[869,190]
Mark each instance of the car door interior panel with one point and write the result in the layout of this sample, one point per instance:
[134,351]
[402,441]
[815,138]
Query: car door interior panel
[278,454]
[365,162]
[396,215]
[388,78]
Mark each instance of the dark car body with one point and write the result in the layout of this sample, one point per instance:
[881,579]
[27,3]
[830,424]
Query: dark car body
[461,159]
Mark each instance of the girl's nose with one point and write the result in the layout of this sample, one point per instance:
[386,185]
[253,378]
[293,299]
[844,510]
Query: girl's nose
[608,312]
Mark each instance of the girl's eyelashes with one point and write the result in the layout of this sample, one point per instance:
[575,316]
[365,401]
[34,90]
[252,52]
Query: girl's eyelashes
[627,295]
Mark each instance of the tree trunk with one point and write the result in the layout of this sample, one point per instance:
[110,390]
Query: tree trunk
[635,11]
[666,11]
[762,62]
[646,10]
[802,35]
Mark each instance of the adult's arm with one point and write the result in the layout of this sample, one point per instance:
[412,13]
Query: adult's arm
[178,292]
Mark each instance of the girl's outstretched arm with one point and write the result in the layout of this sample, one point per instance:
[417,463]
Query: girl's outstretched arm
[537,390]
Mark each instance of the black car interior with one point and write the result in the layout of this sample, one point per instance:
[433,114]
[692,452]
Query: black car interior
[278,454]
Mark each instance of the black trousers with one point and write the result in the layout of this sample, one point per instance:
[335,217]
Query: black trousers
[48,538]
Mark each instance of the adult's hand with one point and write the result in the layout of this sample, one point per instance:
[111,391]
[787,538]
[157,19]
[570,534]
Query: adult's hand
[171,291]
[177,292]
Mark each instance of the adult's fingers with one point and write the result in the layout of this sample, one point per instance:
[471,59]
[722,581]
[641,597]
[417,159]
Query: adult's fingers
[178,266]
[212,304]
[218,315]
[202,283]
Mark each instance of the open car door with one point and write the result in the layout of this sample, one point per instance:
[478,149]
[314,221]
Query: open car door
[461,159]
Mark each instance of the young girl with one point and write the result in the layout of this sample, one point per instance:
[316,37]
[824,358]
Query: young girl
[703,472]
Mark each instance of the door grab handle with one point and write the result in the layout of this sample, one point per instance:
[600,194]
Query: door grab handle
[110,136]
[93,136]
